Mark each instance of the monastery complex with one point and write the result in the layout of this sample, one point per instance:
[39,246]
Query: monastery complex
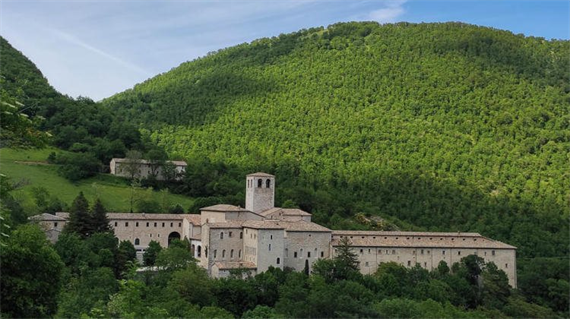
[226,237]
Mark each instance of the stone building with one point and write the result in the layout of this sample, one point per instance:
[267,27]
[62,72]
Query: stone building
[140,168]
[227,237]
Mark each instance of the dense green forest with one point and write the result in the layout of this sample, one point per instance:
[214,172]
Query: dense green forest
[443,127]
[433,126]
[88,273]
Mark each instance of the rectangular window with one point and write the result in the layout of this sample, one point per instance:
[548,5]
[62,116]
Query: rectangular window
[171,224]
[506,265]
[137,224]
[393,251]
[459,253]
[126,224]
[179,224]
[55,225]
[322,254]
[215,253]
[240,235]
[154,224]
[115,224]
[162,224]
[493,252]
[308,254]
[269,247]
[147,224]
[230,234]
[295,255]
[422,251]
[362,251]
[409,263]
[443,252]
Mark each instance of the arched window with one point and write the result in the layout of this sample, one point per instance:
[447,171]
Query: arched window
[259,183]
[278,261]
[268,183]
[232,253]
[239,253]
[137,241]
[224,253]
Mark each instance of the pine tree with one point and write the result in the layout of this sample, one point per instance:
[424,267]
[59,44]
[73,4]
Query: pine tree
[79,218]
[99,221]
[346,256]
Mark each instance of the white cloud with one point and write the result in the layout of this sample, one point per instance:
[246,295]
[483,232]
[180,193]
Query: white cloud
[391,11]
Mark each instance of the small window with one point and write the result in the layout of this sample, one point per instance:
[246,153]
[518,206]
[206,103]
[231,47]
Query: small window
[150,235]
[116,224]
[205,252]
[493,252]
[409,263]
[215,253]
[55,225]
[154,224]
[224,253]
[232,253]
[366,264]
[269,247]
[179,224]
[271,237]
[422,251]
[147,224]
[425,265]
[278,261]
[443,252]
[158,235]
[137,241]
[459,253]
[126,224]
[171,224]
[362,251]
[322,254]
[162,224]
[295,255]
[239,253]
[230,234]
[240,235]
[308,254]
[268,183]
[137,224]
[259,183]
[222,235]
[393,251]
[506,265]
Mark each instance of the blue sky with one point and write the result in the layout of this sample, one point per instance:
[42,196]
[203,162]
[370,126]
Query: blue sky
[98,48]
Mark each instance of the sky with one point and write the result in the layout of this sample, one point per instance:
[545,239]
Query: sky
[96,48]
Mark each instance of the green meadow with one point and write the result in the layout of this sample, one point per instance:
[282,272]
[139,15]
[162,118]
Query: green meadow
[28,168]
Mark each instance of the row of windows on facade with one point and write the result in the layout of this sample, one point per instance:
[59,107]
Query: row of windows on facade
[425,265]
[148,224]
[259,183]
[252,235]
[414,252]
[417,238]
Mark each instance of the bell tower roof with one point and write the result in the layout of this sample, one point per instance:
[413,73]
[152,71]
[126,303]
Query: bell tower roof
[260,174]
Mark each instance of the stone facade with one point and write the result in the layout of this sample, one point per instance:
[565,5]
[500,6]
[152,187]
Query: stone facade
[225,237]
[145,168]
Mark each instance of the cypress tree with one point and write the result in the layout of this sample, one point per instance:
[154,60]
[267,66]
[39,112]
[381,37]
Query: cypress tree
[99,221]
[79,219]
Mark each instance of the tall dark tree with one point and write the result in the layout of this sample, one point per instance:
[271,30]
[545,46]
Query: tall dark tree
[99,220]
[79,221]
[149,257]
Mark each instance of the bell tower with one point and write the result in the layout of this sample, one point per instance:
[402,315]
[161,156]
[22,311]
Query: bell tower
[260,192]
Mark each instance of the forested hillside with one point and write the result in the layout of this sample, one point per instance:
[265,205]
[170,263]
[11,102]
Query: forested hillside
[433,126]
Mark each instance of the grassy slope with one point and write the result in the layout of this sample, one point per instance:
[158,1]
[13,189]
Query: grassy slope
[114,192]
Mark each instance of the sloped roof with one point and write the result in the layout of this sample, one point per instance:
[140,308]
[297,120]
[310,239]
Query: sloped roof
[193,218]
[263,224]
[227,224]
[260,174]
[47,217]
[302,226]
[224,208]
[285,212]
[417,240]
